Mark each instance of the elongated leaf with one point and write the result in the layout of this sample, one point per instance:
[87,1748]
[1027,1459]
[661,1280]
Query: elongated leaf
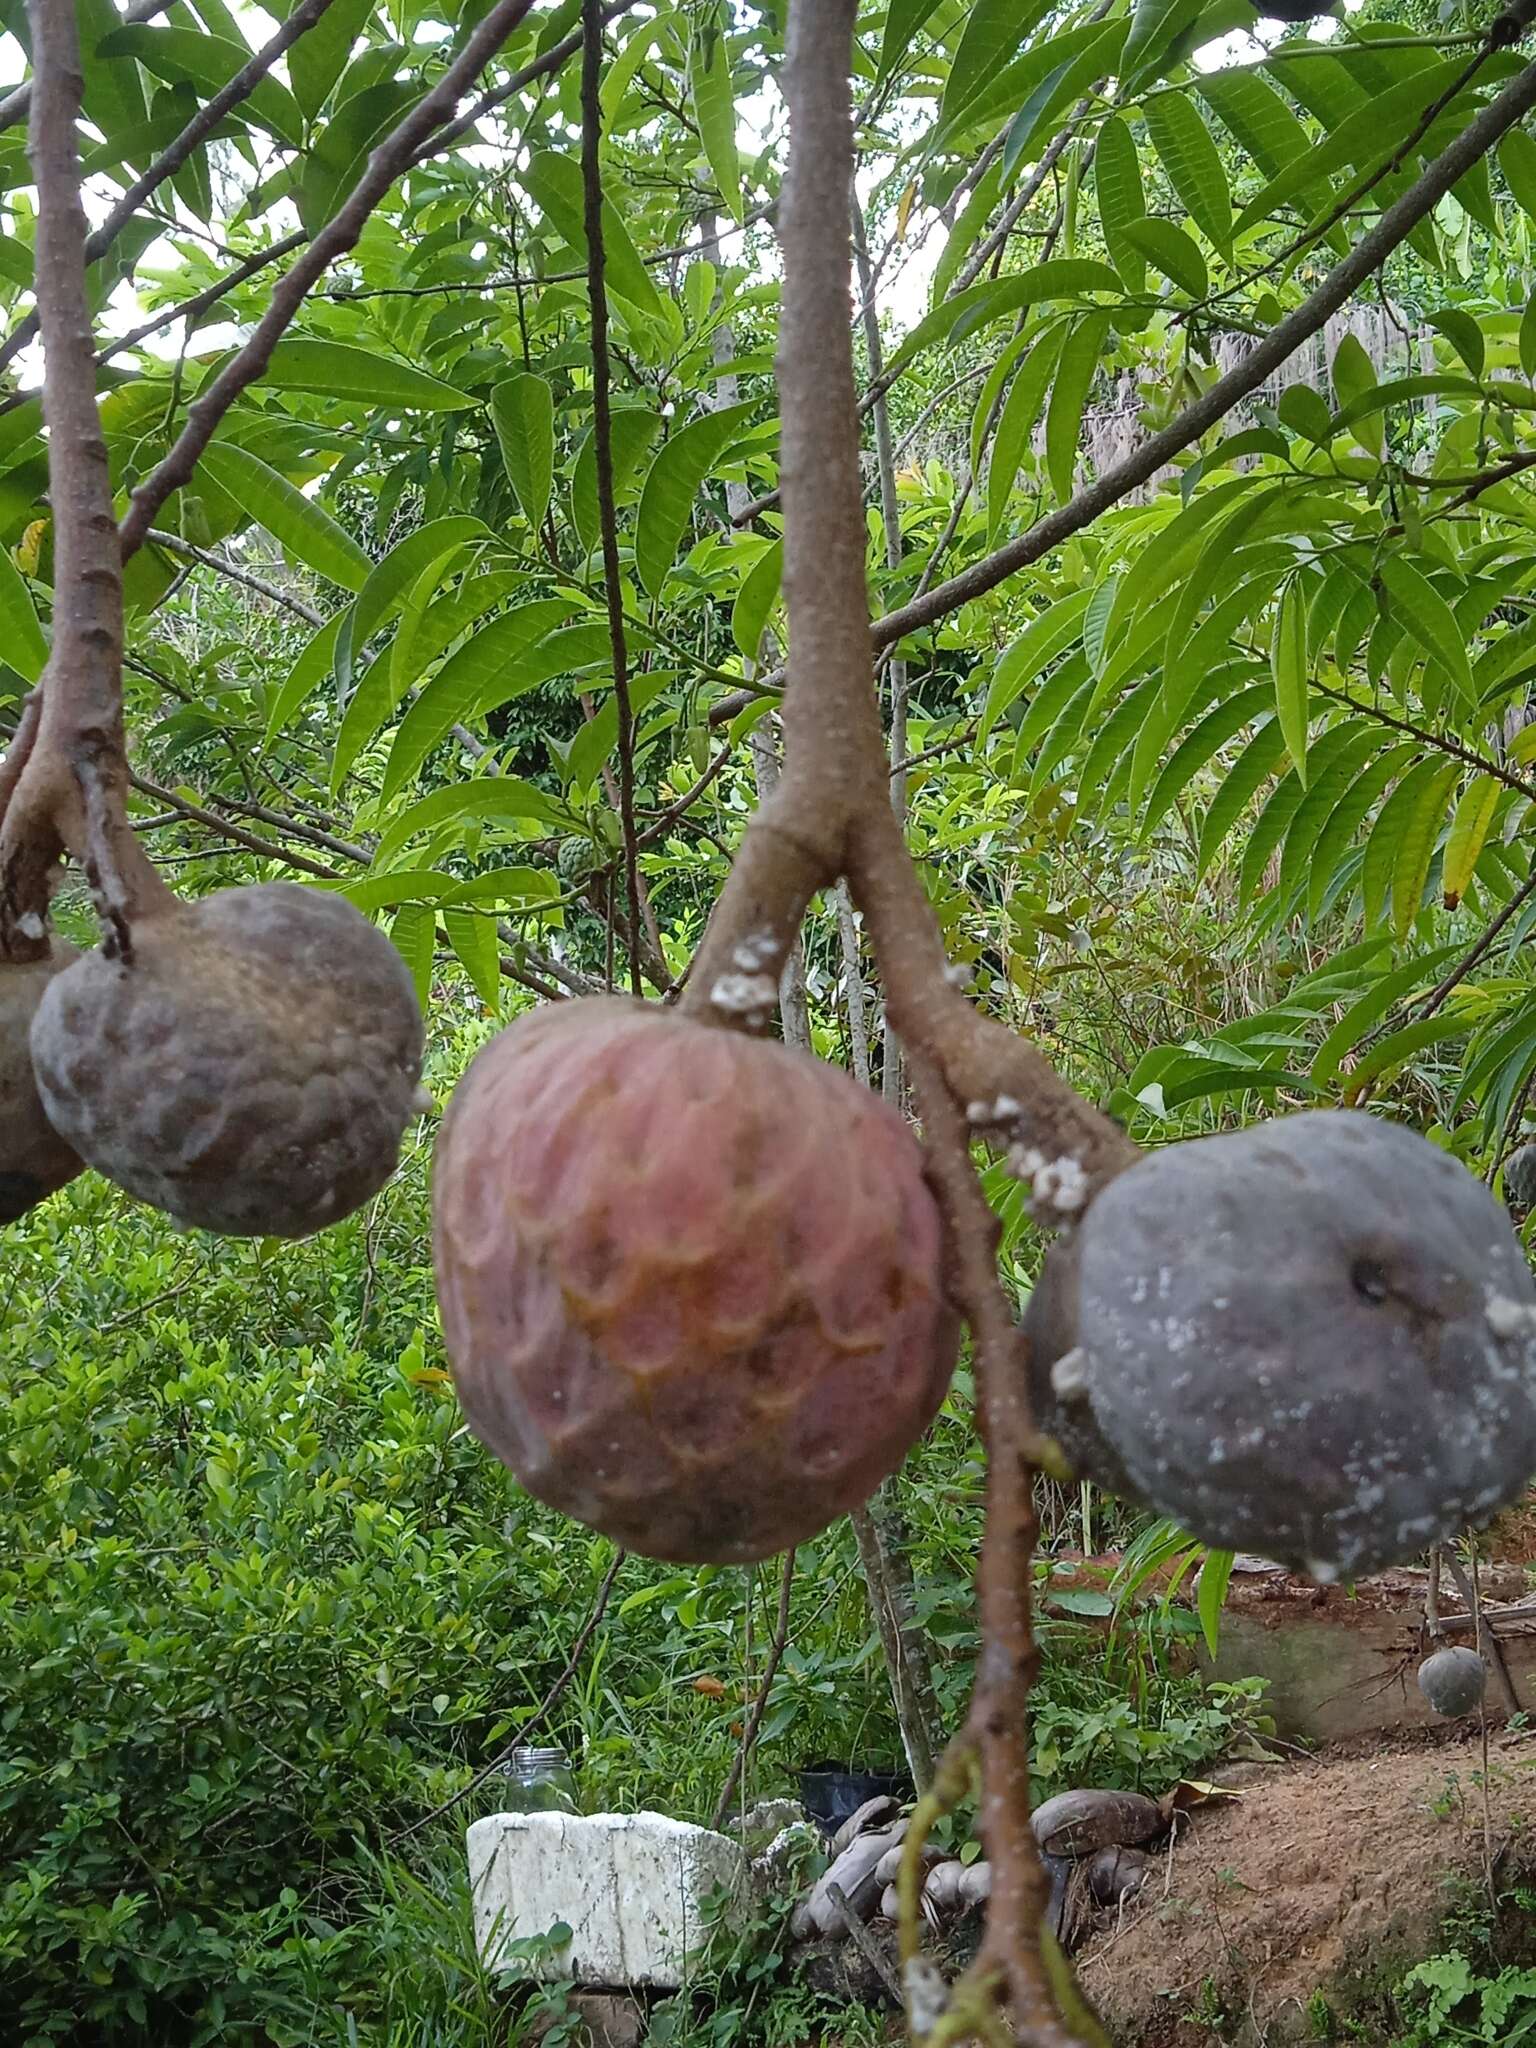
[472,936]
[1192,161]
[1418,606]
[1053,708]
[1354,378]
[21,637]
[316,60]
[1367,1011]
[1157,30]
[903,19]
[1064,277]
[1016,423]
[620,75]
[1201,745]
[1399,1047]
[302,527]
[1256,117]
[1388,833]
[1118,187]
[429,624]
[1288,664]
[994,30]
[554,181]
[634,428]
[523,414]
[1253,766]
[1469,831]
[1276,815]
[1069,394]
[1177,255]
[311,666]
[1419,830]
[676,475]
[1517,160]
[1328,862]
[330,369]
[489,800]
[1042,640]
[413,930]
[1334,765]
[463,680]
[965,233]
[755,600]
[714,104]
[433,545]
[1215,1574]
[210,62]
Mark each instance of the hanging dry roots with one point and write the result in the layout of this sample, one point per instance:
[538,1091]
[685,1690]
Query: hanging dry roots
[690,1281]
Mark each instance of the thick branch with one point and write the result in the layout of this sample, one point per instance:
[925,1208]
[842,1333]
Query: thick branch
[17,105]
[386,163]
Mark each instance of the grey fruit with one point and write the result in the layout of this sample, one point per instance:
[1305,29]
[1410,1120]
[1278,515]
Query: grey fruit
[1077,1823]
[250,1069]
[34,1159]
[1453,1681]
[1314,1339]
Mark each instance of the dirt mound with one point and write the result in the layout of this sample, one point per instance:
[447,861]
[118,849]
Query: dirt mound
[1299,1903]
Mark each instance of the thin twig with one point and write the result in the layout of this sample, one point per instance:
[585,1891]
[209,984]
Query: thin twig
[1477,951]
[175,154]
[385,163]
[541,1712]
[235,574]
[754,1719]
[602,444]
[864,1941]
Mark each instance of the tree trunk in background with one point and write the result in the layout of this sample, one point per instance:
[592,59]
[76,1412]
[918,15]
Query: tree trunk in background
[879,1528]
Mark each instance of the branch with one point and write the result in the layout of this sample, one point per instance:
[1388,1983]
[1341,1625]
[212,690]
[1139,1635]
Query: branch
[1442,745]
[386,163]
[171,159]
[234,572]
[73,789]
[1395,225]
[602,444]
[235,834]
[760,1703]
[16,105]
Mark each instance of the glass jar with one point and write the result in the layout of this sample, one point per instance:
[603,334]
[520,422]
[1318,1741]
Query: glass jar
[539,1781]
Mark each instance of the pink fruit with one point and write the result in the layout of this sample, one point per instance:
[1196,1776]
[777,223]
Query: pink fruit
[690,1281]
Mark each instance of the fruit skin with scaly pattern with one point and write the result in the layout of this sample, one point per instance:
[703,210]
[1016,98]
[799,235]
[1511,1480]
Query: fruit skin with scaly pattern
[690,1281]
[251,1067]
[34,1160]
[1314,1339]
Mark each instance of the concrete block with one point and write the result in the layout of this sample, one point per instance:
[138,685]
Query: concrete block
[631,1887]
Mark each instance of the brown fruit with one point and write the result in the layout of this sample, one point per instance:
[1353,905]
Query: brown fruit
[34,1159]
[250,1070]
[690,1281]
[1314,1340]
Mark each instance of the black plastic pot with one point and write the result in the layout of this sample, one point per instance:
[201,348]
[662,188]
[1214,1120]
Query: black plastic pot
[831,1792]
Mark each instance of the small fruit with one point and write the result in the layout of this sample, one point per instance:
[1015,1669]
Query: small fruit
[690,1281]
[1453,1681]
[34,1159]
[1314,1339]
[250,1069]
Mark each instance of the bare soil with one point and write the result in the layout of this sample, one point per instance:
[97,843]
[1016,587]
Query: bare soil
[1314,1891]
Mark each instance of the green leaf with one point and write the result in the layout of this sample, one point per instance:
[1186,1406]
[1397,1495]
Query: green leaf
[1464,335]
[1157,31]
[1016,423]
[472,936]
[523,414]
[488,799]
[1419,828]
[554,182]
[1253,766]
[413,929]
[634,428]
[1469,831]
[1256,117]
[672,487]
[330,369]
[1064,277]
[463,680]
[1528,337]
[963,236]
[1288,665]
[316,60]
[755,600]
[1354,378]
[1192,161]
[1517,160]
[903,19]
[1211,1596]
[1337,835]
[714,104]
[1418,606]
[1042,640]
[1201,746]
[994,30]
[430,546]
[430,623]
[1367,1010]
[297,523]
[1305,412]
[1069,394]
[1177,255]
[20,634]
[1122,199]
[311,666]
[210,62]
